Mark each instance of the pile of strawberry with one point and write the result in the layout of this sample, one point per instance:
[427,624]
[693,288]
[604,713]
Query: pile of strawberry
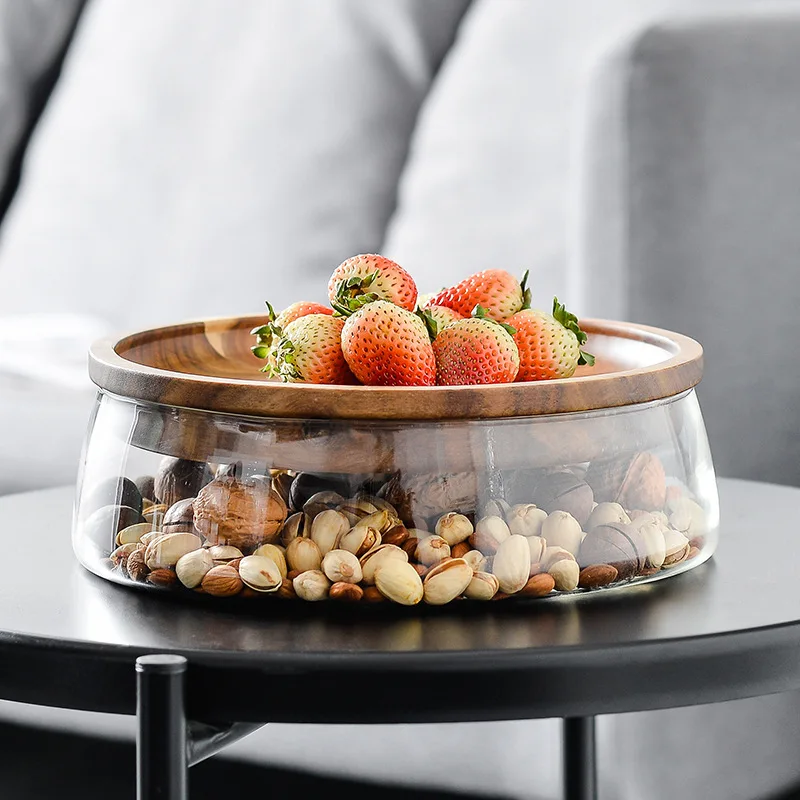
[376,333]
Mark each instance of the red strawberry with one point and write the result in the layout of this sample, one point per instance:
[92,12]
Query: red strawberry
[289,314]
[368,277]
[309,350]
[386,345]
[549,344]
[498,291]
[477,350]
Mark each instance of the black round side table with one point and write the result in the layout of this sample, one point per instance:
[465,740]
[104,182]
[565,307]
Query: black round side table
[728,629]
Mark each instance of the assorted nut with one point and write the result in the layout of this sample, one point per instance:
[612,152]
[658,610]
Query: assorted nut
[238,536]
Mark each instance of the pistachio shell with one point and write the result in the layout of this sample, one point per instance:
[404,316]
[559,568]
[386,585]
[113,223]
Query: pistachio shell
[165,551]
[193,567]
[446,581]
[134,533]
[374,558]
[512,563]
[483,586]
[276,554]
[260,573]
[399,582]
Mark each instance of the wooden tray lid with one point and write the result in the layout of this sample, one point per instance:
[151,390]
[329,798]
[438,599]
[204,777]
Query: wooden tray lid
[208,365]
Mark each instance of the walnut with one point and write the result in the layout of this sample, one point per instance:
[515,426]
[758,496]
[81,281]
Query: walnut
[238,513]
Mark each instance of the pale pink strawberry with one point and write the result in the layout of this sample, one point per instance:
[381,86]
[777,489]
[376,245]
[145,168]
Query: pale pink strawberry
[386,345]
[549,344]
[263,333]
[309,350]
[367,277]
[496,290]
[475,351]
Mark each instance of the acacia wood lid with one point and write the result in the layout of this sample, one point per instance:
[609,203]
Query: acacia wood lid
[208,365]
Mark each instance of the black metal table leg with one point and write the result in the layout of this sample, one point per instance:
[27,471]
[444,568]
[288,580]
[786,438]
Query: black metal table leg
[579,760]
[161,762]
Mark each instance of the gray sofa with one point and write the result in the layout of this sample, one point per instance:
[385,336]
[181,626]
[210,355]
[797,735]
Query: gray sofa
[642,169]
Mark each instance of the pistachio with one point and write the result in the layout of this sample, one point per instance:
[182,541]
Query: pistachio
[374,558]
[446,581]
[260,573]
[311,585]
[325,500]
[399,582]
[604,513]
[454,528]
[565,573]
[489,533]
[537,545]
[476,560]
[150,537]
[154,514]
[276,554]
[222,581]
[676,547]
[193,567]
[341,566]
[133,533]
[654,544]
[165,551]
[512,563]
[303,555]
[526,519]
[347,592]
[380,504]
[483,586]
[224,553]
[296,525]
[123,551]
[561,529]
[360,539]
[326,529]
[431,550]
[395,535]
[553,554]
[687,517]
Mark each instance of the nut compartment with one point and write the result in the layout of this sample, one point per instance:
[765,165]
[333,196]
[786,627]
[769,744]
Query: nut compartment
[309,507]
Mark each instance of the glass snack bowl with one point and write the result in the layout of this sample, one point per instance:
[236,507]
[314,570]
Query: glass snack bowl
[202,477]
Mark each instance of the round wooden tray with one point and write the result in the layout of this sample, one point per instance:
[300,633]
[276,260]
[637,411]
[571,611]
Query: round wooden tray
[207,365]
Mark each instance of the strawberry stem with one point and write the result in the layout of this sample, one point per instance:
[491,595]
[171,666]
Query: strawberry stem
[353,294]
[479,312]
[570,322]
[526,292]
[430,323]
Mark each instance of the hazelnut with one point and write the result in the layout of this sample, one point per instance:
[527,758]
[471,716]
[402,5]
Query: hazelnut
[222,581]
[347,592]
[178,478]
[244,515]
[460,550]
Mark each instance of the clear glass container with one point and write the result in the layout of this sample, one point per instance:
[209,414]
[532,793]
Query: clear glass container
[434,510]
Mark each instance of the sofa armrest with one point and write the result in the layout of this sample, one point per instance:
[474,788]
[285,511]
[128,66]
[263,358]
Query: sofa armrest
[690,202]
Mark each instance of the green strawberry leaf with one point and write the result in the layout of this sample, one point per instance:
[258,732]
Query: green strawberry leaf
[431,325]
[570,322]
[351,294]
[479,312]
[526,292]
[271,315]
[260,351]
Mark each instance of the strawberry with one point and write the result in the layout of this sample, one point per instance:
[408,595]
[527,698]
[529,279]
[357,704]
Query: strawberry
[476,350]
[440,316]
[309,350]
[498,291]
[386,345]
[367,277]
[549,344]
[289,314]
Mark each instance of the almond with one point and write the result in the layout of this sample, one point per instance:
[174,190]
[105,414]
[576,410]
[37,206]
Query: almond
[596,575]
[538,586]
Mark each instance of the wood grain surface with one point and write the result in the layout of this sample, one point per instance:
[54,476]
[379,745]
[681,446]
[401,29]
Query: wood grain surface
[208,366]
